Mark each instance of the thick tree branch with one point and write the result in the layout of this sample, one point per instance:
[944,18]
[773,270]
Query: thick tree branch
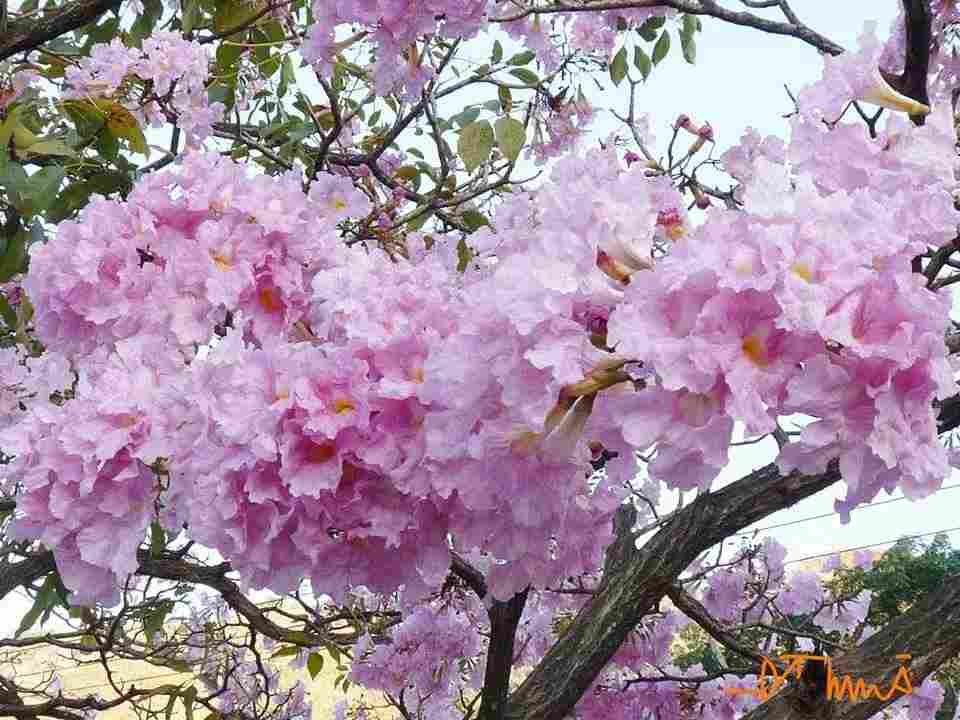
[504,619]
[26,35]
[929,633]
[625,595]
[635,581]
[912,82]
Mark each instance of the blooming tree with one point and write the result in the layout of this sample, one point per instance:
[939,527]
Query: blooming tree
[437,358]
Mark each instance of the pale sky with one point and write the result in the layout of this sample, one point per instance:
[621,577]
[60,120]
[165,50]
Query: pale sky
[738,82]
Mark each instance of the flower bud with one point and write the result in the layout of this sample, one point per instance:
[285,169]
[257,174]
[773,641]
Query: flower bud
[883,95]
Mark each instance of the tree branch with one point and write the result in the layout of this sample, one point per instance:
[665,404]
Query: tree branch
[635,582]
[26,35]
[912,82]
[693,7]
[504,619]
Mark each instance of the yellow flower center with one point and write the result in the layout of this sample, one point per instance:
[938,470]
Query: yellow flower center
[222,261]
[675,232]
[802,271]
[754,348]
[270,300]
[343,406]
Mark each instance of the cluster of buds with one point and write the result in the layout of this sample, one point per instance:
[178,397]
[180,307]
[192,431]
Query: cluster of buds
[703,134]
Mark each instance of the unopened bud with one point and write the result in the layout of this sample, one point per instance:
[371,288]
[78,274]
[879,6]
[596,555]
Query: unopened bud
[700,197]
[631,157]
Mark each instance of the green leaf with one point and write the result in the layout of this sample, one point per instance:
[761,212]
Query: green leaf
[13,179]
[689,47]
[419,221]
[465,255]
[474,219]
[50,147]
[231,14]
[288,76]
[648,31]
[154,619]
[687,42]
[662,47]
[8,314]
[227,57]
[48,597]
[618,68]
[527,76]
[108,145]
[191,15]
[6,128]
[475,144]
[315,664]
[466,117]
[146,21]
[43,187]
[497,55]
[511,135]
[641,61]
[287,651]
[506,98]
[14,256]
[522,58]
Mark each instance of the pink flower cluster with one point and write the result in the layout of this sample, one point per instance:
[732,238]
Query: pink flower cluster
[424,661]
[177,67]
[806,304]
[394,27]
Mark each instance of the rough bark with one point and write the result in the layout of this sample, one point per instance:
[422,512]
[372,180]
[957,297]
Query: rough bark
[31,33]
[635,581]
[504,619]
[642,578]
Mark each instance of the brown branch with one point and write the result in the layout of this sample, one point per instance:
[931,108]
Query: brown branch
[25,572]
[634,582]
[167,567]
[637,584]
[504,619]
[929,633]
[693,7]
[693,609]
[912,82]
[26,35]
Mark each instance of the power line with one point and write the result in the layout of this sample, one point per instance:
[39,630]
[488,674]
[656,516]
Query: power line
[864,547]
[747,533]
